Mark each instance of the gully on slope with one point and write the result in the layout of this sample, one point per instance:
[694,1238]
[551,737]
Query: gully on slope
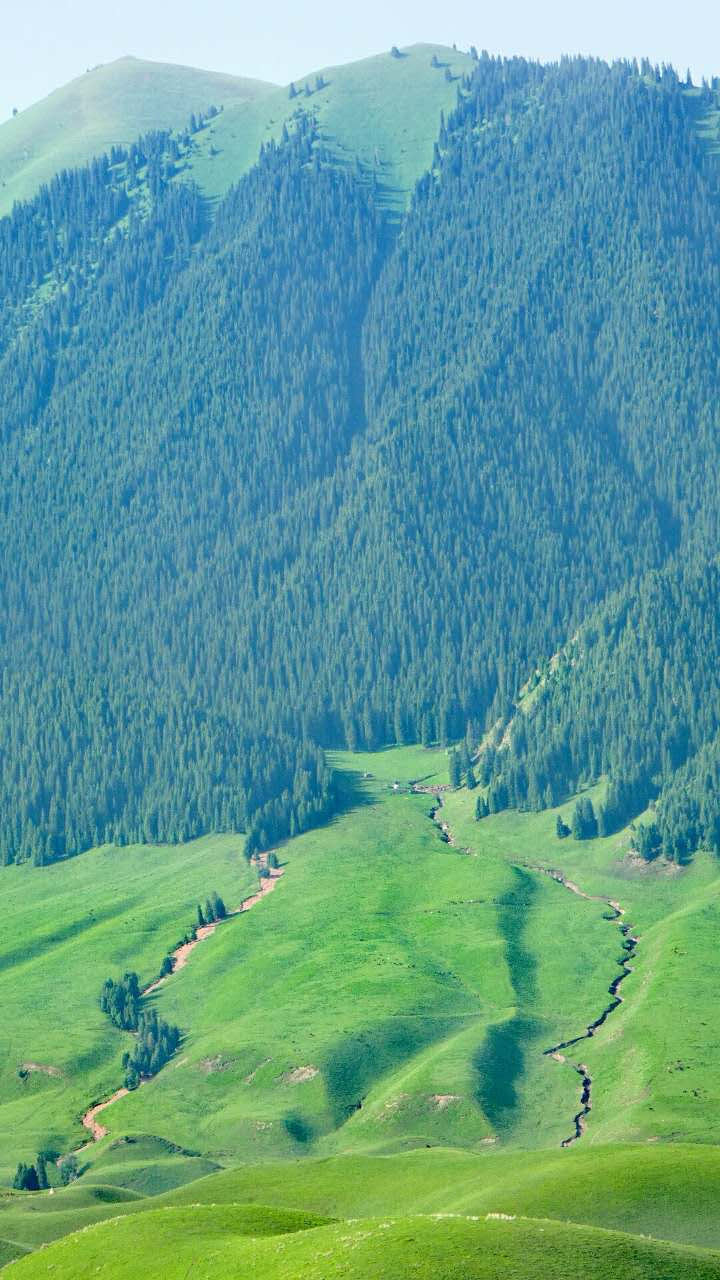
[630,942]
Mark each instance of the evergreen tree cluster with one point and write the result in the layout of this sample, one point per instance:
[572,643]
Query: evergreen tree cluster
[121,1001]
[213,910]
[156,1043]
[32,1177]
[584,824]
[286,475]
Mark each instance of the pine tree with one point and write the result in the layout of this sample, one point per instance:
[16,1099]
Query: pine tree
[482,808]
[69,1169]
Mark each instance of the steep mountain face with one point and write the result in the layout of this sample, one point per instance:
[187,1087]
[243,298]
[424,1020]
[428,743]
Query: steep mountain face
[108,106]
[291,472]
[634,696]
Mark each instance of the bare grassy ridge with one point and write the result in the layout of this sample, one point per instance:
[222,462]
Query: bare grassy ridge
[110,105]
[273,1246]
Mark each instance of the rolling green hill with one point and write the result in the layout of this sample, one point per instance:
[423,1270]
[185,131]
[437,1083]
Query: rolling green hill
[276,1247]
[382,113]
[396,993]
[108,106]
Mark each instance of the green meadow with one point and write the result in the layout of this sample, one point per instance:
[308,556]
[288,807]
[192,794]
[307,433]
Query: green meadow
[72,926]
[370,1040]
[230,1240]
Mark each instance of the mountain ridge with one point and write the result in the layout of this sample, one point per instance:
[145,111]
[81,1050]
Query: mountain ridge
[381,112]
[110,105]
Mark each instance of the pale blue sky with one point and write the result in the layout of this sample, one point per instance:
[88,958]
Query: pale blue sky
[47,42]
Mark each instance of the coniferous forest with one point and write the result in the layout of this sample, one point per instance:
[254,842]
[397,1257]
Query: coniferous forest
[288,472]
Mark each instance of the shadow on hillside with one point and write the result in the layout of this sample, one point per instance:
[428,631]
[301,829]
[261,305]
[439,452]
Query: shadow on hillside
[499,1063]
[357,1061]
[352,792]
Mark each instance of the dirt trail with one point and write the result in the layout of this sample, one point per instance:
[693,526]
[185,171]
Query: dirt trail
[90,1121]
[630,942]
[180,957]
[181,954]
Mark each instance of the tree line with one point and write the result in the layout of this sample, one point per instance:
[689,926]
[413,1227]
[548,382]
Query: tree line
[284,476]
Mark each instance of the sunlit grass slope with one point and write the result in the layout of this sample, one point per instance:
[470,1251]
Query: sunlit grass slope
[668,1192]
[655,1065]
[383,112]
[392,992]
[109,105]
[222,1241]
[68,927]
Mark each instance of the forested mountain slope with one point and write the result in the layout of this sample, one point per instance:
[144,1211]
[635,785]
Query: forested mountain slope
[635,695]
[288,473]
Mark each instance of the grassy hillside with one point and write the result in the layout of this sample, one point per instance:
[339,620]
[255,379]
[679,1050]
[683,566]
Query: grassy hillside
[419,979]
[382,112]
[111,104]
[667,1192]
[390,995]
[270,1246]
[395,991]
[655,1063]
[111,910]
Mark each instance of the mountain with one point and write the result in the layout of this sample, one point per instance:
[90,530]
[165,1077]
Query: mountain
[360,514]
[333,478]
[108,106]
[382,113]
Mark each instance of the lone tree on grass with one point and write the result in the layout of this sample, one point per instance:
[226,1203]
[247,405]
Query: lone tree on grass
[482,809]
[69,1170]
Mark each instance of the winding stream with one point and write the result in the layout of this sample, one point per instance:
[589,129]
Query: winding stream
[629,945]
[630,942]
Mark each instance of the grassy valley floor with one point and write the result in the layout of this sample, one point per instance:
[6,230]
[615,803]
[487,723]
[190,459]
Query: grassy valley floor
[370,1039]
